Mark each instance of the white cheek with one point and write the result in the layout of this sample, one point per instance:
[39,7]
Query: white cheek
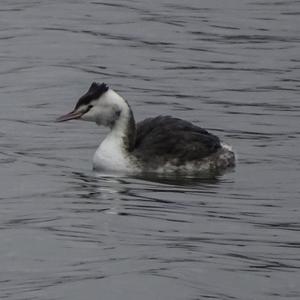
[98,115]
[91,115]
[102,115]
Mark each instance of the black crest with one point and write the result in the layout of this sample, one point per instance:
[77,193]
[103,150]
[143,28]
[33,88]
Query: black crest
[95,91]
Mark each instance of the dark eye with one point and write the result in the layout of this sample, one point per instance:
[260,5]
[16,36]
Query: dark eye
[88,108]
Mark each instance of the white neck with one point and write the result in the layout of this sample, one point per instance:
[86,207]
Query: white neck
[114,151]
[115,138]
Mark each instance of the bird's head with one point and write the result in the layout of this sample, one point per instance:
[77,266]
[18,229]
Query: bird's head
[99,104]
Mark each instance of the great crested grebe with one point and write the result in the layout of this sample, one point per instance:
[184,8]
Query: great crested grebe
[161,144]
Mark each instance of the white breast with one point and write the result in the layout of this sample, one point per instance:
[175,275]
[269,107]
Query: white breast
[110,155]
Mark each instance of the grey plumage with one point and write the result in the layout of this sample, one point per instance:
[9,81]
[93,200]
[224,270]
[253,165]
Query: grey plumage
[164,138]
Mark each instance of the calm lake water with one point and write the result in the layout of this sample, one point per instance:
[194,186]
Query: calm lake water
[69,233]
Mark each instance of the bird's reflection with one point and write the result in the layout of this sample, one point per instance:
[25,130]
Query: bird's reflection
[94,183]
[111,186]
[100,194]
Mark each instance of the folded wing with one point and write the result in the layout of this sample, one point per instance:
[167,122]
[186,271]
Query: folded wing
[167,138]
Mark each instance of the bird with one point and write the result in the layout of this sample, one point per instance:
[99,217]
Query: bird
[162,144]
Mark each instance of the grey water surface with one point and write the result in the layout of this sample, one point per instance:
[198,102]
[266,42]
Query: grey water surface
[69,233]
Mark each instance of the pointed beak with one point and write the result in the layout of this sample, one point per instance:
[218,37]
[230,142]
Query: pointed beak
[70,116]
